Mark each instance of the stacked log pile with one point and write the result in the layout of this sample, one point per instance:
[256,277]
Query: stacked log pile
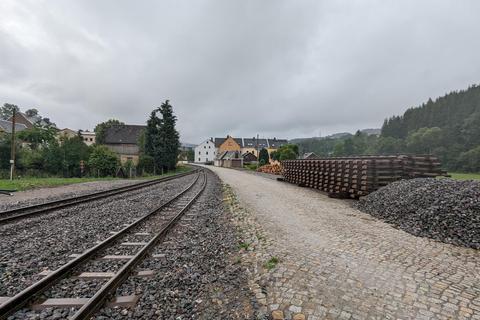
[275,168]
[358,176]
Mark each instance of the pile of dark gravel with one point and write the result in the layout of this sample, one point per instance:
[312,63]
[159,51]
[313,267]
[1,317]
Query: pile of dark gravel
[446,210]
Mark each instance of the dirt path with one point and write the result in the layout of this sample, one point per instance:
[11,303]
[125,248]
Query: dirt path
[339,263]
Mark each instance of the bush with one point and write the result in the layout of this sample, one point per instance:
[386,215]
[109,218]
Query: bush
[145,164]
[470,161]
[263,157]
[286,152]
[102,161]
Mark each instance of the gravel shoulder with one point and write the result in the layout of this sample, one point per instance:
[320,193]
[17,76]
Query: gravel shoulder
[337,262]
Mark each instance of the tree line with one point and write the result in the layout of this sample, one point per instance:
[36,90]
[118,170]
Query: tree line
[41,151]
[448,128]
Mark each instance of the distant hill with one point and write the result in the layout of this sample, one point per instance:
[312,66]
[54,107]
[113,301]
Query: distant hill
[451,112]
[324,146]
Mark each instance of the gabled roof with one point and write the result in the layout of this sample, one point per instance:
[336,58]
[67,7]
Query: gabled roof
[7,126]
[254,142]
[219,141]
[123,134]
[277,143]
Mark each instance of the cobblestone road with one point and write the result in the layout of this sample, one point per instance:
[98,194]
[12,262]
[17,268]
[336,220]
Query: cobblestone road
[339,263]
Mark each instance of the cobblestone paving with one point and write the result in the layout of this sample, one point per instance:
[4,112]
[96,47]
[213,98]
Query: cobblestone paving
[338,263]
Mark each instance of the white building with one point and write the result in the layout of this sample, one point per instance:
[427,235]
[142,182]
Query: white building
[205,152]
[88,137]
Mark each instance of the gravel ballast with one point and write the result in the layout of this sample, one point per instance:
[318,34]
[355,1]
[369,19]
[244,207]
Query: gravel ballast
[200,276]
[442,209]
[45,242]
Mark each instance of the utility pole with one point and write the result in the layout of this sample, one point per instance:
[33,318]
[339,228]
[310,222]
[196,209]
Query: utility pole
[258,154]
[12,154]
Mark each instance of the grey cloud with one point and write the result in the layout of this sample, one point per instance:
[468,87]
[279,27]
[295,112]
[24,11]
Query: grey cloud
[277,68]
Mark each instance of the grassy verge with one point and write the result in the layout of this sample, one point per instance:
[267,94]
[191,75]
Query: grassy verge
[30,183]
[465,176]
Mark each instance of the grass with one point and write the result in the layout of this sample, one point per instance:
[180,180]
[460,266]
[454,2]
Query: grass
[271,264]
[465,176]
[30,183]
[251,166]
[26,183]
[243,245]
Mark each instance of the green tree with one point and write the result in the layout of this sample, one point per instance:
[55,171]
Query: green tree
[38,135]
[424,140]
[162,140]
[31,112]
[190,155]
[285,152]
[53,156]
[101,128]
[263,157]
[469,161]
[6,111]
[146,164]
[73,150]
[102,161]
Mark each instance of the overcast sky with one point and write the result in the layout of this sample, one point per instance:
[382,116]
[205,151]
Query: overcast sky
[282,69]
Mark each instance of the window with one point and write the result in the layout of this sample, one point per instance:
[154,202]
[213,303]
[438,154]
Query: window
[208,147]
[204,147]
[199,152]
[198,159]
[207,152]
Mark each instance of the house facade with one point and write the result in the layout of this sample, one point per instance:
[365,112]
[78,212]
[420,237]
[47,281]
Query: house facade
[88,137]
[123,140]
[205,152]
[246,148]
[66,133]
[248,145]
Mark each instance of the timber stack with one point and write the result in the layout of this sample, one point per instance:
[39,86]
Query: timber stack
[274,168]
[358,176]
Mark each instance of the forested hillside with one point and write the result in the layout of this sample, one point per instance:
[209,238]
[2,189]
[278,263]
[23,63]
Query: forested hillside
[448,127]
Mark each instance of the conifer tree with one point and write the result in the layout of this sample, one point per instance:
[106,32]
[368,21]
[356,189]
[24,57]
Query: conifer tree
[162,140]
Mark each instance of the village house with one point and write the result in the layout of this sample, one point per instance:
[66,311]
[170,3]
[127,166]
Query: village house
[88,137]
[29,122]
[205,152]
[66,133]
[123,140]
[6,126]
[246,149]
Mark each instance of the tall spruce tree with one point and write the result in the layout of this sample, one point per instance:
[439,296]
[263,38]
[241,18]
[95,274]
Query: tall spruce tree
[169,137]
[162,140]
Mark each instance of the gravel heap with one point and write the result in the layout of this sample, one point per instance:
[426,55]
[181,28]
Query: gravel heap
[446,210]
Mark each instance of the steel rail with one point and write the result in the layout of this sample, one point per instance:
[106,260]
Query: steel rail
[19,300]
[46,207]
[101,296]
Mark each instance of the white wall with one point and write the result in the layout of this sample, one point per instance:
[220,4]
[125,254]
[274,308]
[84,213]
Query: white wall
[205,152]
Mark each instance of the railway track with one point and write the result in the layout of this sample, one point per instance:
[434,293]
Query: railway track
[29,211]
[150,228]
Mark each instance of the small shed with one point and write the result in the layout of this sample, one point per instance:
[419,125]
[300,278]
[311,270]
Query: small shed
[249,157]
[229,159]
